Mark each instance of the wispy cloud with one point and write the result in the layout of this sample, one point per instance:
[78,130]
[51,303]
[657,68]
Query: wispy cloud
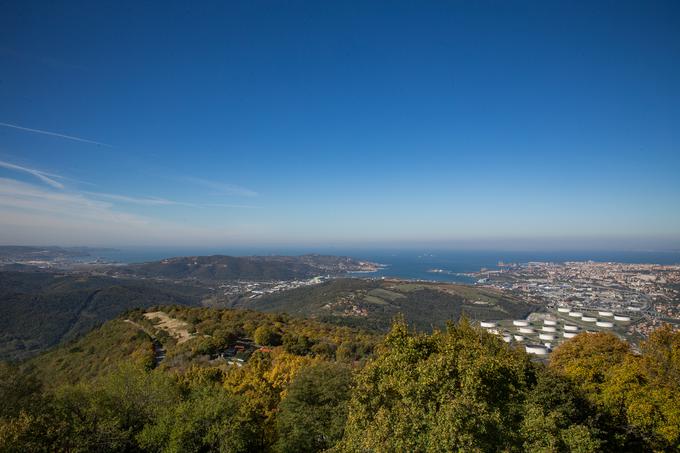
[41,175]
[51,180]
[138,200]
[37,214]
[222,188]
[54,134]
[229,206]
[28,197]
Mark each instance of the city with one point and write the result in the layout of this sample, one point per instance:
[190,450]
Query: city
[631,300]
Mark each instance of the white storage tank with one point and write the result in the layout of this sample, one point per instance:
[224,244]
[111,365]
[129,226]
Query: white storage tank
[621,318]
[606,314]
[563,309]
[520,323]
[606,324]
[569,334]
[550,322]
[487,324]
[526,330]
[536,349]
[570,328]
[546,336]
[575,314]
[589,319]
[549,329]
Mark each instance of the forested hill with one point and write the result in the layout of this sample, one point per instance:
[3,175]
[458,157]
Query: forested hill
[40,309]
[175,378]
[190,336]
[373,304]
[253,268]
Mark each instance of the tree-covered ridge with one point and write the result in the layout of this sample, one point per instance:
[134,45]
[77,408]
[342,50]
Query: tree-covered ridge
[255,268]
[373,304]
[457,389]
[40,309]
[218,338]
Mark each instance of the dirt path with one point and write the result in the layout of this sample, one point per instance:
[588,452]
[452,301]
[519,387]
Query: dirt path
[158,349]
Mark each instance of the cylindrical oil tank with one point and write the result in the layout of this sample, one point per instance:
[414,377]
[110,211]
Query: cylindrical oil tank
[536,349]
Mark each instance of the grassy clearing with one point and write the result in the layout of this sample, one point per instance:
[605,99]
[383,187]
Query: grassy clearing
[386,294]
[176,328]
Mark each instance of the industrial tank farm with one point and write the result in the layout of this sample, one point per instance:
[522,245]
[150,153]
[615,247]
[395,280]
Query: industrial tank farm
[540,333]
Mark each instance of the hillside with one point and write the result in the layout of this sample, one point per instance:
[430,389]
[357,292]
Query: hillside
[175,378]
[373,304]
[41,309]
[177,337]
[14,253]
[253,268]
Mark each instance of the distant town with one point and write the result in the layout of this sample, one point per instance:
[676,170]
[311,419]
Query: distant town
[629,299]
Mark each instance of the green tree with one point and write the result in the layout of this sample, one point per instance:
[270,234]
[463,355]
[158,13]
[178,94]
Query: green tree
[209,420]
[107,414]
[558,418]
[459,390]
[312,416]
[266,335]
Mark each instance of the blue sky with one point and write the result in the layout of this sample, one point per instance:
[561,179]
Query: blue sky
[463,124]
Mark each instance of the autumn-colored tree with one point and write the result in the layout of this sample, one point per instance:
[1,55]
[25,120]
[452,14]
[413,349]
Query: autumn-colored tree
[459,390]
[588,358]
[266,335]
[639,393]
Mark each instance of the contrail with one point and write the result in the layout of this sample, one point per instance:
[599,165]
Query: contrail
[41,175]
[54,134]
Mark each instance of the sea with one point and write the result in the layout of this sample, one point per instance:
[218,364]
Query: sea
[407,264]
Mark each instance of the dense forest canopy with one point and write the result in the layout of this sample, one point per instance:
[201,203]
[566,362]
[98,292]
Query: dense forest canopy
[302,385]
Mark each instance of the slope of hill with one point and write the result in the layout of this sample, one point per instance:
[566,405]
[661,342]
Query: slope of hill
[374,303]
[254,268]
[194,336]
[297,386]
[40,309]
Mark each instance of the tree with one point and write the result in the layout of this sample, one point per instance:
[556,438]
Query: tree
[312,415]
[558,418]
[19,391]
[267,336]
[209,420]
[588,358]
[456,390]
